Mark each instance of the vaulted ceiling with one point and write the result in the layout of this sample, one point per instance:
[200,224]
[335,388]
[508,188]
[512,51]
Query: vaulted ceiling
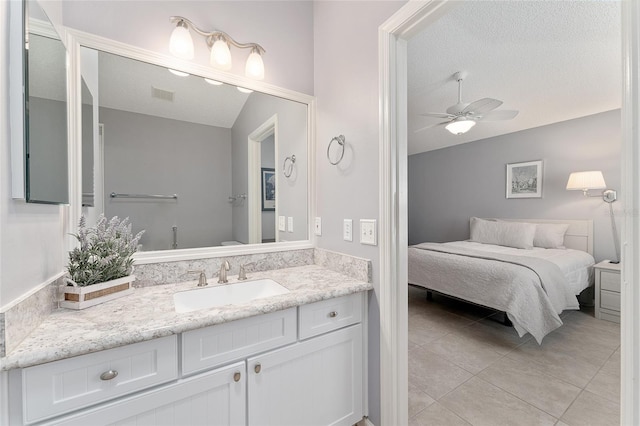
[551,60]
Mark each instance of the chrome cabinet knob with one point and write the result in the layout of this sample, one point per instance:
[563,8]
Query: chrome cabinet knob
[236,376]
[257,368]
[109,375]
[333,314]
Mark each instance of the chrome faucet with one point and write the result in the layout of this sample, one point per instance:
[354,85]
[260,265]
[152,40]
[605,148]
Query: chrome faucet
[242,274]
[222,275]
[202,280]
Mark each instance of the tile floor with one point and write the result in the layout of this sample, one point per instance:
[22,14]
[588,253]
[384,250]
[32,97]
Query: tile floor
[467,369]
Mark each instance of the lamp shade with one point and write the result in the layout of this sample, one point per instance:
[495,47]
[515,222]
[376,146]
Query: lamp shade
[583,181]
[181,43]
[255,67]
[221,55]
[458,127]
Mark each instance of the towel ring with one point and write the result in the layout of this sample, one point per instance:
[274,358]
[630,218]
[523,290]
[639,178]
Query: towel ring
[341,142]
[287,171]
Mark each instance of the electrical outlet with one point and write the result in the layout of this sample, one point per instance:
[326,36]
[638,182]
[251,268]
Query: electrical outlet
[318,226]
[368,231]
[290,224]
[281,223]
[347,230]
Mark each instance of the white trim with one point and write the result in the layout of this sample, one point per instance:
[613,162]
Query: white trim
[407,21]
[16,99]
[630,188]
[254,187]
[77,38]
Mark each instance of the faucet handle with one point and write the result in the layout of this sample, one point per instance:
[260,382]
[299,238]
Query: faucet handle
[202,280]
[242,274]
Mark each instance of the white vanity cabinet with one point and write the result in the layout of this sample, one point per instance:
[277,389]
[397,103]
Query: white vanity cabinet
[297,366]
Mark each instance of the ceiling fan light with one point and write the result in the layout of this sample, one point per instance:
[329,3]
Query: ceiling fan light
[458,127]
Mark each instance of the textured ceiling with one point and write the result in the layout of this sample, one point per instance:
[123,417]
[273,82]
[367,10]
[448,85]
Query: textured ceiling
[551,60]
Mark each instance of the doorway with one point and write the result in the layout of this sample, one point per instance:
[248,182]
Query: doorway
[393,211]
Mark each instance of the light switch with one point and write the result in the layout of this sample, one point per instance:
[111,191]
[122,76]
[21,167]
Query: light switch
[281,223]
[347,230]
[290,224]
[318,226]
[368,231]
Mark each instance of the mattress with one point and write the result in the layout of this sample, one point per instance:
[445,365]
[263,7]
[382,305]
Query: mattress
[576,265]
[532,286]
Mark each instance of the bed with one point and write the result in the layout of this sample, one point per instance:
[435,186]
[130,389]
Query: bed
[501,268]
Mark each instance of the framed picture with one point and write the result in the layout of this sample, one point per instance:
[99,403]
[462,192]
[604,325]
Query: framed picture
[268,189]
[524,180]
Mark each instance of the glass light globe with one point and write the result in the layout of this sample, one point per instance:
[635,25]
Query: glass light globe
[459,127]
[255,67]
[221,55]
[181,43]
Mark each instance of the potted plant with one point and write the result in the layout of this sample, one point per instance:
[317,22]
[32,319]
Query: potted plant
[100,269]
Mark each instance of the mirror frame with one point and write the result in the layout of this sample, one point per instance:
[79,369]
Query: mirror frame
[76,39]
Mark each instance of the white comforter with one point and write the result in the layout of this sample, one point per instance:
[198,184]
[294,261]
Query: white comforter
[502,283]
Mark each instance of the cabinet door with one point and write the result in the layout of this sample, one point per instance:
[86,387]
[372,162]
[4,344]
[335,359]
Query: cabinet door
[214,398]
[316,382]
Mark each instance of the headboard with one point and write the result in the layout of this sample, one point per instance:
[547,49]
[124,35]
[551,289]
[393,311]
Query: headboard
[579,236]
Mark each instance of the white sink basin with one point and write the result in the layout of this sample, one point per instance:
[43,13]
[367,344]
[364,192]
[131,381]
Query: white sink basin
[230,294]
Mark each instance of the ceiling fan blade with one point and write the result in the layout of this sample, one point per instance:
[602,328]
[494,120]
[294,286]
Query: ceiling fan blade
[482,106]
[432,125]
[503,114]
[438,115]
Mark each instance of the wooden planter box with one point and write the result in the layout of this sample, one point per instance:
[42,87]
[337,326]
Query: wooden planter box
[84,297]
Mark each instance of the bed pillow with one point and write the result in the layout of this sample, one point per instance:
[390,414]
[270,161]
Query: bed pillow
[550,235]
[510,234]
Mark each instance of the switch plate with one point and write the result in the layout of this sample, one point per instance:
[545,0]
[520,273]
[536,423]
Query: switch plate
[281,223]
[290,224]
[317,229]
[368,232]
[347,230]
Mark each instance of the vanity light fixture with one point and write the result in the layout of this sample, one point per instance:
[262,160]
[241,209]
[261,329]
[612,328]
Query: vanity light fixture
[460,125]
[181,46]
[244,90]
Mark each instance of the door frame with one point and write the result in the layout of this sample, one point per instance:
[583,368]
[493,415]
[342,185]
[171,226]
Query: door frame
[392,52]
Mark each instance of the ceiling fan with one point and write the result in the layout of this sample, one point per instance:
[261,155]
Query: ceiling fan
[461,117]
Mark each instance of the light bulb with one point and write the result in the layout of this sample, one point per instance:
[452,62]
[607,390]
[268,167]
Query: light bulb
[255,67]
[459,127]
[181,43]
[213,82]
[221,55]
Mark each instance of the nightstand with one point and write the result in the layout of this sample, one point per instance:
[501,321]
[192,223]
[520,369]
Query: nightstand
[607,291]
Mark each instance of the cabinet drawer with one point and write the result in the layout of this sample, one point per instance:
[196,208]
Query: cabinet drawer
[610,281]
[610,300]
[331,314]
[66,385]
[208,347]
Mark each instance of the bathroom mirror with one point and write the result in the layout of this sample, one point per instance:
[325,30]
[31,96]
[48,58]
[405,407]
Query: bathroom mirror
[185,157]
[45,111]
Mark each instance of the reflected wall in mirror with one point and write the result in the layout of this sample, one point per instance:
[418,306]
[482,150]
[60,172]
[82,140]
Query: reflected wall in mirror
[165,134]
[45,111]
[87,146]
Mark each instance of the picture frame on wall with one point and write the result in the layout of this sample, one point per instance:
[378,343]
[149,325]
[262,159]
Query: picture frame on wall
[268,189]
[524,180]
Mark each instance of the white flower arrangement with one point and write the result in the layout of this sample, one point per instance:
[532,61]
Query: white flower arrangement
[105,252]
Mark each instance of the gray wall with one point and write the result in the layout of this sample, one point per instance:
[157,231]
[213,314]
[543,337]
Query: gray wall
[150,155]
[292,137]
[346,86]
[48,180]
[449,185]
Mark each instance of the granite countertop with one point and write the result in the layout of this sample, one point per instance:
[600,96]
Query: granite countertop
[149,313]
